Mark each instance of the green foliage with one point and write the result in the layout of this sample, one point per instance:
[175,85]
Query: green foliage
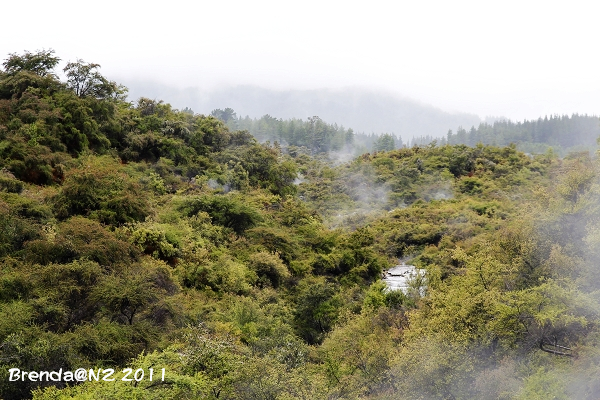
[269,268]
[78,238]
[41,62]
[384,143]
[227,211]
[542,385]
[561,132]
[263,168]
[15,231]
[85,80]
[155,242]
[139,235]
[276,240]
[317,309]
[313,134]
[101,191]
[357,357]
[8,182]
[471,185]
[136,292]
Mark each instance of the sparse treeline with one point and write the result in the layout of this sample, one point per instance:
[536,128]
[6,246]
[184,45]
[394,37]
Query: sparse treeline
[424,141]
[314,134]
[563,133]
[136,235]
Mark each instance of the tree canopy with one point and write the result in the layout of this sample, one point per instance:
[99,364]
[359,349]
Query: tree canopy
[135,235]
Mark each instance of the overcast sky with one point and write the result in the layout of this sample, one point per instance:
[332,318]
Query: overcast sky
[513,58]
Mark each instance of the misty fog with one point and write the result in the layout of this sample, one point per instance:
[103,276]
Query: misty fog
[363,110]
[231,213]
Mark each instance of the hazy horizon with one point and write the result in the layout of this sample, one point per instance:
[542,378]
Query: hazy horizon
[362,109]
[522,60]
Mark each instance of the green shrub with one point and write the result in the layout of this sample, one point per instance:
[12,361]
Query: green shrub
[79,237]
[471,185]
[156,243]
[269,268]
[226,211]
[10,185]
[101,191]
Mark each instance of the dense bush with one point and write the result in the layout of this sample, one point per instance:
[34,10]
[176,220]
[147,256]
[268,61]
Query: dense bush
[101,191]
[143,236]
[227,211]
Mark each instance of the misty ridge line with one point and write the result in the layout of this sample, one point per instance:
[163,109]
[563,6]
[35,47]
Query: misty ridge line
[364,110]
[559,134]
[371,114]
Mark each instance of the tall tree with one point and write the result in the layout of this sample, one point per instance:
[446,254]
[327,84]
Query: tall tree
[85,80]
[384,143]
[41,62]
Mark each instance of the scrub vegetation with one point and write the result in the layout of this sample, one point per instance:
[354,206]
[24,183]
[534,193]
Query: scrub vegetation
[134,235]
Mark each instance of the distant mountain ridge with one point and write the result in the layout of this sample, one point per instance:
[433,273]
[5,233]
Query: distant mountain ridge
[362,110]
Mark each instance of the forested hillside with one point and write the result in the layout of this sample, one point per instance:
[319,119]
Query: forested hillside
[362,109]
[563,134]
[140,236]
[314,134]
